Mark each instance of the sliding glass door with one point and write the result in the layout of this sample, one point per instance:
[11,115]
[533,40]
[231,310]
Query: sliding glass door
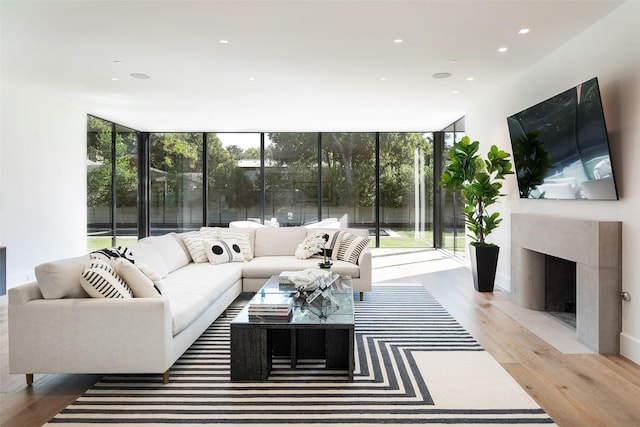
[152,183]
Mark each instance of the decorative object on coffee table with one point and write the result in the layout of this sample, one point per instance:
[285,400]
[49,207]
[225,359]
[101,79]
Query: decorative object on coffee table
[326,264]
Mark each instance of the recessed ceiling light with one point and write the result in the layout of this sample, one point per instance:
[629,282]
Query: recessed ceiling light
[224,41]
[523,31]
[251,79]
[383,78]
[455,91]
[140,76]
[441,75]
[117,62]
[454,61]
[502,49]
[114,79]
[398,41]
[469,78]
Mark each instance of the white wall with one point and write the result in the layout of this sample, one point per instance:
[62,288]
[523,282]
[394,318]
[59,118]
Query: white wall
[609,50]
[42,177]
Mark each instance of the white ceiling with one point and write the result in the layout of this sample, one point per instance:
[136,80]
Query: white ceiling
[316,65]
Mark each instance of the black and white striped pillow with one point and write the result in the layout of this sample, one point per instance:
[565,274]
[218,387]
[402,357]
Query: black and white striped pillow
[100,280]
[351,247]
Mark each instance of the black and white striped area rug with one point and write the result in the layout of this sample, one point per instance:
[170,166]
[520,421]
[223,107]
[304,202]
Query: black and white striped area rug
[414,365]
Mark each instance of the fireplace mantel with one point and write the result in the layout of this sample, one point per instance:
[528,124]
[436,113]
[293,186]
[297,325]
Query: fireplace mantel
[596,248]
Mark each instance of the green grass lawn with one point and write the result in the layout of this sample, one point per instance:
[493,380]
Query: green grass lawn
[100,242]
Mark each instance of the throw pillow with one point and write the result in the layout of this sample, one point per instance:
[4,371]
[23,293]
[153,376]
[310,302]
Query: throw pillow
[100,280]
[332,245]
[153,275]
[351,247]
[223,251]
[141,286]
[194,242]
[243,241]
[61,278]
[109,254]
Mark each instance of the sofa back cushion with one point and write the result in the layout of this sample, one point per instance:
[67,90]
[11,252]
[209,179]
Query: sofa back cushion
[147,253]
[61,278]
[276,241]
[172,249]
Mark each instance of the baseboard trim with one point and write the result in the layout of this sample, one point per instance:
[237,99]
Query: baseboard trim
[630,347]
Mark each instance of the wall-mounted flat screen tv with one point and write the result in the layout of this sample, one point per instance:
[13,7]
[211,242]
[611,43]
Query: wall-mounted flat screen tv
[561,147]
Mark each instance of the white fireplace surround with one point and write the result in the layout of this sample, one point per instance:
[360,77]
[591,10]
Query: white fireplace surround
[596,248]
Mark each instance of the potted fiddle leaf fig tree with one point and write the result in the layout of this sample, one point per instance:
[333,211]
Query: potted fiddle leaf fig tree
[479,181]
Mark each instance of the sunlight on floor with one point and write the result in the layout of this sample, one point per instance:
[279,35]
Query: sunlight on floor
[396,264]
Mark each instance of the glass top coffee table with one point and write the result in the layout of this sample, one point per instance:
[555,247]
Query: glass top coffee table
[320,327]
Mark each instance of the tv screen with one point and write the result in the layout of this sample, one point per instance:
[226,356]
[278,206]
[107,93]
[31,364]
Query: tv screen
[561,148]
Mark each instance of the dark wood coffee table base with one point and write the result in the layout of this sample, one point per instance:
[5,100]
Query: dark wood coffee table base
[254,345]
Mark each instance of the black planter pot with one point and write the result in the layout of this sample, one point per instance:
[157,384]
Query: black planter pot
[484,262]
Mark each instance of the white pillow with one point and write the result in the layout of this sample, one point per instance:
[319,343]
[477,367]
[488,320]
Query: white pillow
[61,279]
[223,251]
[141,286]
[172,249]
[147,253]
[152,275]
[100,280]
[194,240]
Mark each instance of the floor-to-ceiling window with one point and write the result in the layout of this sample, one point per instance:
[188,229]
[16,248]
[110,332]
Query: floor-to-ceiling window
[452,207]
[233,177]
[291,177]
[175,182]
[152,183]
[112,183]
[406,189]
[349,178]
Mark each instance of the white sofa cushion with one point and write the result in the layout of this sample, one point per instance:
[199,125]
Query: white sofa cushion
[141,286]
[147,253]
[193,241]
[272,241]
[61,278]
[192,289]
[100,280]
[267,266]
[172,250]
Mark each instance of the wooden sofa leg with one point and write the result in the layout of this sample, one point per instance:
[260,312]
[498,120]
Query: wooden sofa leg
[224,313]
[29,379]
[165,377]
[361,296]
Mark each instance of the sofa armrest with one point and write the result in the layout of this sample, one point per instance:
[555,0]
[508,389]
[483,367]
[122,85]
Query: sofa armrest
[366,273]
[87,335]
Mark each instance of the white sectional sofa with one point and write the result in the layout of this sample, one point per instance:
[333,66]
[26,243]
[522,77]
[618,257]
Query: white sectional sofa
[56,327]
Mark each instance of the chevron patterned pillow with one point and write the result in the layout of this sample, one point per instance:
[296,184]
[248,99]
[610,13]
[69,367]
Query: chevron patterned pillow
[351,247]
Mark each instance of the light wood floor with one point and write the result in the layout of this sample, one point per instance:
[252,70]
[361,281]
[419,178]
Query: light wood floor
[574,389]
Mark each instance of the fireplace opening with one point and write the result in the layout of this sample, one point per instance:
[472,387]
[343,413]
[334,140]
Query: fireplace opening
[560,289]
